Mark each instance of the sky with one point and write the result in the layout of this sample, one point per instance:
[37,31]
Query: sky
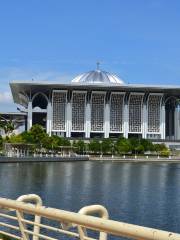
[56,40]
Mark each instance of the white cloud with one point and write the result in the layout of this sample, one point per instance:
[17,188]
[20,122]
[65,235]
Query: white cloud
[5,97]
[6,102]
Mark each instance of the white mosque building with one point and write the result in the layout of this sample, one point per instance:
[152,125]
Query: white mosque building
[100,104]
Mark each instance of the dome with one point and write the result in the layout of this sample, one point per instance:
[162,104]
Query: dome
[97,77]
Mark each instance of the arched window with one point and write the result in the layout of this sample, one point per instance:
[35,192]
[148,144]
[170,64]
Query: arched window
[39,100]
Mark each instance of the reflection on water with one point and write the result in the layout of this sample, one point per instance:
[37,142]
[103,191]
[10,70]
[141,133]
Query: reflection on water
[143,194]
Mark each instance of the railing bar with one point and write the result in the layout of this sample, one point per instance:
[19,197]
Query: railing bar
[9,226]
[10,235]
[50,228]
[8,216]
[44,226]
[115,231]
[56,229]
[40,235]
[50,238]
[109,226]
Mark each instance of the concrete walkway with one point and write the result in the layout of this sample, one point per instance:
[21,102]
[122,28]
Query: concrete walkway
[135,160]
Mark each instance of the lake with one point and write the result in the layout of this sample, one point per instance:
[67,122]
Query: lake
[143,194]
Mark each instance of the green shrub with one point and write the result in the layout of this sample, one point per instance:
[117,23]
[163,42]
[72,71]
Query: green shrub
[165,153]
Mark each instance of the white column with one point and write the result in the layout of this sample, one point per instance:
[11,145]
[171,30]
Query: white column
[29,117]
[162,124]
[88,120]
[176,124]
[68,119]
[126,121]
[106,120]
[49,118]
[144,121]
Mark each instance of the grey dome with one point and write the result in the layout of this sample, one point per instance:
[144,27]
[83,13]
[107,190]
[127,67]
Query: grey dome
[97,77]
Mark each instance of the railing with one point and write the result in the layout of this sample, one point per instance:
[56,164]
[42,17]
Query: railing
[26,218]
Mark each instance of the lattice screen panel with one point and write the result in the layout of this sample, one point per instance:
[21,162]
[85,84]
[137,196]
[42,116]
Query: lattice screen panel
[135,110]
[97,112]
[78,111]
[116,112]
[154,104]
[59,110]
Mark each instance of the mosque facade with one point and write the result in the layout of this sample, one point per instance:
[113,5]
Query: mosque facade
[100,104]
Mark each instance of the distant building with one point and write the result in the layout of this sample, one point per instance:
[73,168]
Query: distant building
[100,104]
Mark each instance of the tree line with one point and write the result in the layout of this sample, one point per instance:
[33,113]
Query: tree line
[40,139]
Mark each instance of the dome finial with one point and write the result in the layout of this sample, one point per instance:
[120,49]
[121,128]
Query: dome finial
[97,66]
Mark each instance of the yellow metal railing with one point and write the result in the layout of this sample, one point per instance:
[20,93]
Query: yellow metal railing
[26,218]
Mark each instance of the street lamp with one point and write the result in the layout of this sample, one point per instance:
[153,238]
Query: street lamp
[101,150]
[112,149]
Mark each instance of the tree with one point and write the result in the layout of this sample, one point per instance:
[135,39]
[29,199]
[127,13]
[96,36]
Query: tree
[16,139]
[80,146]
[27,137]
[9,127]
[134,144]
[56,142]
[139,149]
[123,146]
[6,125]
[95,146]
[65,142]
[38,134]
[47,143]
[107,145]
[147,144]
[161,149]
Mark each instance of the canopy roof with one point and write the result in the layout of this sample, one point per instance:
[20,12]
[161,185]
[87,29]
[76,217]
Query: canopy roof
[96,80]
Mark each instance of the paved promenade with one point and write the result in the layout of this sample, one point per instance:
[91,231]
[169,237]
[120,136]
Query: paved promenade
[89,158]
[136,160]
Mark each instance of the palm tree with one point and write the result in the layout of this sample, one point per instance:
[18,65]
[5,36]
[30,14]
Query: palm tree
[7,125]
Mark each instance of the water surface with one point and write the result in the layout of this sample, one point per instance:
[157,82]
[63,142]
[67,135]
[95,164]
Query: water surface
[143,194]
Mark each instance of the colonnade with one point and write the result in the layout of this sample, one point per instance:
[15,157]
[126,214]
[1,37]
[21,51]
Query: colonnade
[145,119]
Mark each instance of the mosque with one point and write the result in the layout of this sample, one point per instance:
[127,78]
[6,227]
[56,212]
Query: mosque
[100,104]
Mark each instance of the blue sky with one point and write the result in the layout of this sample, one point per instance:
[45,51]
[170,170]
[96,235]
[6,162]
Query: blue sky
[58,39]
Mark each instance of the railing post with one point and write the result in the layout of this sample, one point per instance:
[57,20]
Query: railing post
[90,210]
[22,225]
[37,219]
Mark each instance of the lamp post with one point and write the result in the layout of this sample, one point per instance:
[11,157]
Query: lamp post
[135,156]
[41,150]
[101,150]
[112,150]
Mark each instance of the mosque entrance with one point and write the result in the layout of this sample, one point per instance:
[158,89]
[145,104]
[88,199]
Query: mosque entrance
[39,104]
[172,108]
[39,118]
